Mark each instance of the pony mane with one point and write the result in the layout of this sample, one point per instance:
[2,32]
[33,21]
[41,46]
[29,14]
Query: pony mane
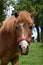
[25,16]
[10,22]
[7,23]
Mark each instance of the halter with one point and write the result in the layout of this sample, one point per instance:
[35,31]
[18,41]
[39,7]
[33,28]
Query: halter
[27,39]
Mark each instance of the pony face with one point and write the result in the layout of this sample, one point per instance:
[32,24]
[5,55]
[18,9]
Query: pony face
[23,31]
[24,27]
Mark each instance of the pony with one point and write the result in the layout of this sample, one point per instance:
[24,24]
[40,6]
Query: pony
[15,37]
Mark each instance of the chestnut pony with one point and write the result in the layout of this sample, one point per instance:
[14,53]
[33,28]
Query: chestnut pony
[15,36]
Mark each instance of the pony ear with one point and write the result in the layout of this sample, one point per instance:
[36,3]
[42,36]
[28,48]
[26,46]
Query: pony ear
[16,14]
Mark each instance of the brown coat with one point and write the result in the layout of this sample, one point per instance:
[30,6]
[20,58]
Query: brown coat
[8,38]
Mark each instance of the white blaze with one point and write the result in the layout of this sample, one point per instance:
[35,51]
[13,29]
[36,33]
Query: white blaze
[23,43]
[23,30]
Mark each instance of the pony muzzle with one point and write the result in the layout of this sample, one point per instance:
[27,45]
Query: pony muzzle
[23,46]
[23,50]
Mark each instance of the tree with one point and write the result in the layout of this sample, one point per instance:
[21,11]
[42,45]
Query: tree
[2,9]
[38,7]
[42,27]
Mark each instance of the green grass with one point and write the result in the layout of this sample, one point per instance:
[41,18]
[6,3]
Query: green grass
[35,56]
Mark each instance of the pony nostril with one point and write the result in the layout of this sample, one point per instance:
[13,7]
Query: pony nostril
[20,48]
[27,48]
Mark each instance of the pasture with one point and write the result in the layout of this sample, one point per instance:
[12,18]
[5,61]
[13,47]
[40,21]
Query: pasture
[35,56]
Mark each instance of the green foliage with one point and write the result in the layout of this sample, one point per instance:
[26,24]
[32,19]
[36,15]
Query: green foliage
[11,2]
[2,8]
[23,5]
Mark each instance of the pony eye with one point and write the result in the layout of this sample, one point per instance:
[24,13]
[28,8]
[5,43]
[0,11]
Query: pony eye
[30,27]
[17,26]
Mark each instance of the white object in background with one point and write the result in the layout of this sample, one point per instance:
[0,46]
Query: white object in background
[34,34]
[9,11]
